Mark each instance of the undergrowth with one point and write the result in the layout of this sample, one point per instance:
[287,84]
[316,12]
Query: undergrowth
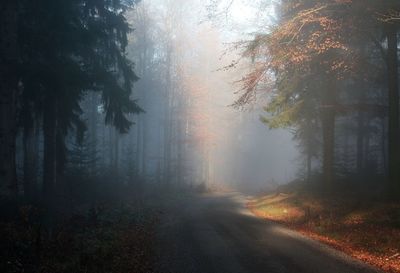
[108,238]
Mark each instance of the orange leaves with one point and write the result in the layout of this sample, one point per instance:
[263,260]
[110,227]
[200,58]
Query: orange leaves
[366,232]
[250,82]
[310,39]
[318,34]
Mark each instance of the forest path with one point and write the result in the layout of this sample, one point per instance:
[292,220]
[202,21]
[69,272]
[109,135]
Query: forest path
[215,233]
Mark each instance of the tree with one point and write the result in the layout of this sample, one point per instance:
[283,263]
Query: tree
[84,50]
[325,43]
[8,92]
[393,91]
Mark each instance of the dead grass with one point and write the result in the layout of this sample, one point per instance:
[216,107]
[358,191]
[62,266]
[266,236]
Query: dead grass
[366,230]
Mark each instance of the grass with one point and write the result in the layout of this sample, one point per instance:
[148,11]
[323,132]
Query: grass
[368,230]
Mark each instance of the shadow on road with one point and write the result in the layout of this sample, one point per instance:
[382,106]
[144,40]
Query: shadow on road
[215,233]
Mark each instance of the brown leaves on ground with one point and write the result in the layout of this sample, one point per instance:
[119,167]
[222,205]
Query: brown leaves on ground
[117,240]
[367,230]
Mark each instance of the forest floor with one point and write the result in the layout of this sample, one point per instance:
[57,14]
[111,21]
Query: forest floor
[366,230]
[106,237]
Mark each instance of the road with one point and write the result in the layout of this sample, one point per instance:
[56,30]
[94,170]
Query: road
[217,234]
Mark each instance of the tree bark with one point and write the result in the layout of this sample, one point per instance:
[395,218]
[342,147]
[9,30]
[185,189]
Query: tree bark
[144,147]
[393,90]
[167,122]
[93,132]
[138,144]
[180,151]
[384,147]
[309,167]
[30,156]
[8,93]
[116,154]
[328,133]
[360,141]
[50,147]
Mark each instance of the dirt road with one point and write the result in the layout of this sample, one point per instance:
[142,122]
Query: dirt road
[217,234]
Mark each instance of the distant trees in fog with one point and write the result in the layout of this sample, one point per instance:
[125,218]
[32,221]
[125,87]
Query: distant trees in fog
[333,66]
[103,94]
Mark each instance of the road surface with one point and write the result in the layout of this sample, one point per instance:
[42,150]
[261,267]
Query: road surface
[217,234]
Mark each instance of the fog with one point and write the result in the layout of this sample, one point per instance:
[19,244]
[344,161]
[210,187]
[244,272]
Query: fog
[222,145]
[230,94]
[163,136]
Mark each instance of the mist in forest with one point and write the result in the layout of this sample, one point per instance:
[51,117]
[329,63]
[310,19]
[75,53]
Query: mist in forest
[196,135]
[212,142]
[214,94]
[189,133]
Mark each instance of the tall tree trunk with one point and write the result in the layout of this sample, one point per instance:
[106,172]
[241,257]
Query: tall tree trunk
[384,147]
[144,147]
[207,167]
[369,168]
[167,148]
[30,156]
[309,149]
[111,147]
[328,133]
[144,102]
[393,89]
[50,147]
[360,141]
[8,93]
[167,121]
[116,154]
[61,158]
[180,147]
[93,132]
[159,149]
[309,166]
[138,144]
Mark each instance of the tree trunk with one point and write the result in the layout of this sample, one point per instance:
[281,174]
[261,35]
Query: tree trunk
[110,144]
[167,146]
[360,142]
[116,154]
[180,147]
[159,160]
[138,144]
[144,102]
[61,157]
[50,147]
[328,134]
[309,167]
[8,93]
[144,147]
[393,89]
[93,132]
[328,148]
[30,156]
[167,122]
[384,147]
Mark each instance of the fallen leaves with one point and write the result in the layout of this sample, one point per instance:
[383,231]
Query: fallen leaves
[121,240]
[367,231]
